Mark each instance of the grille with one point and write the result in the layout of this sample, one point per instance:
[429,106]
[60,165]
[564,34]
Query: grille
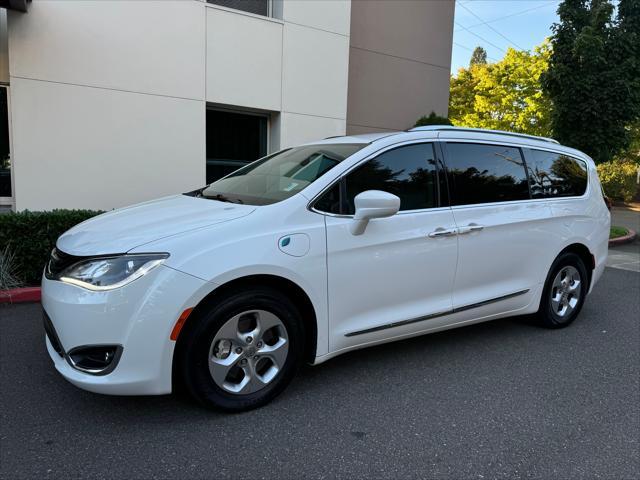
[58,262]
[51,334]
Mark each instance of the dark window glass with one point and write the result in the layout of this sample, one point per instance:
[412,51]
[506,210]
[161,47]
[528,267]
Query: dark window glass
[330,200]
[485,173]
[408,172]
[5,158]
[260,7]
[280,175]
[233,140]
[555,175]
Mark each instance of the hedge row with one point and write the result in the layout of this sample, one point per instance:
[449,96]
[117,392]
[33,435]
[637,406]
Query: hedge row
[32,235]
[619,179]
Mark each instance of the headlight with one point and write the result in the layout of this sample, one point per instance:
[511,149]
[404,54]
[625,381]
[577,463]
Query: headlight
[107,273]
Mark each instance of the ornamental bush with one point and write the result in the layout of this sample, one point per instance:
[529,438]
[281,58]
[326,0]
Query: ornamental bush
[30,236]
[619,179]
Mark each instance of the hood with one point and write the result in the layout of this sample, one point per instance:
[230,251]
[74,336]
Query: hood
[121,230]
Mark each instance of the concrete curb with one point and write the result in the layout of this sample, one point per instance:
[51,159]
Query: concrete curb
[20,295]
[628,238]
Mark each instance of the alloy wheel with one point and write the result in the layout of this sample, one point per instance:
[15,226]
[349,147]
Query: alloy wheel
[565,291]
[248,352]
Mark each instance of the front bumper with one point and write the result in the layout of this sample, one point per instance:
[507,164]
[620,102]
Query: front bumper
[139,317]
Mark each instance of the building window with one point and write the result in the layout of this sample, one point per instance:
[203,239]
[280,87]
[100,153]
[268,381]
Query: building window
[259,7]
[5,158]
[233,140]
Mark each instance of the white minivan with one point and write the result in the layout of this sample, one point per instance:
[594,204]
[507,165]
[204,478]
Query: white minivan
[321,249]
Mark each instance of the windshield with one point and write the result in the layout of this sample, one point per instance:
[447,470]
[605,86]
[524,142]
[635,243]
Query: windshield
[279,176]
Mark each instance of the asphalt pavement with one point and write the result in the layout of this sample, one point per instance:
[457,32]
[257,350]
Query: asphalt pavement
[504,399]
[627,256]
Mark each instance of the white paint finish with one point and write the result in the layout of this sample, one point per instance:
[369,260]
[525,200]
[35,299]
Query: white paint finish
[212,253]
[296,244]
[392,272]
[144,46]
[164,217]
[142,325]
[509,254]
[315,71]
[333,16]
[100,149]
[297,129]
[244,60]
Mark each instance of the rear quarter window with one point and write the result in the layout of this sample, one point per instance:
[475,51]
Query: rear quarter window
[554,174]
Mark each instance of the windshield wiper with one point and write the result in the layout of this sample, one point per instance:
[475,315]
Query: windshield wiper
[219,197]
[222,198]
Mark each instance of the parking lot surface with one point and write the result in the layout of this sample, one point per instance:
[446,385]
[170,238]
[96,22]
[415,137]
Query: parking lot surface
[503,399]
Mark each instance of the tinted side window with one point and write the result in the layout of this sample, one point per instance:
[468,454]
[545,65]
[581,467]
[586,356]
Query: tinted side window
[485,173]
[408,172]
[555,175]
[329,201]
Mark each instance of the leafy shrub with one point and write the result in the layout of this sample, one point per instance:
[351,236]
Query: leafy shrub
[8,275]
[32,235]
[619,179]
[432,119]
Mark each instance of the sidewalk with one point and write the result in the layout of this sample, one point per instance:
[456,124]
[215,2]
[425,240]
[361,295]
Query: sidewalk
[626,257]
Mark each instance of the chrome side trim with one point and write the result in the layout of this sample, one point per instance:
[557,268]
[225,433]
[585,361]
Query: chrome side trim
[397,324]
[492,300]
[435,315]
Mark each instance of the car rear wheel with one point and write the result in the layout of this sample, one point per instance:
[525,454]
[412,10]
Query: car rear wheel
[243,351]
[564,292]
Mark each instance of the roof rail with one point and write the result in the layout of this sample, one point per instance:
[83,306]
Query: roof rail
[441,128]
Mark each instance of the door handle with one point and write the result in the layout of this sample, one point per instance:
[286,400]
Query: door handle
[443,232]
[472,227]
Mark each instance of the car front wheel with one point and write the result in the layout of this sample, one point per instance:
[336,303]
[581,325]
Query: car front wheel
[243,351]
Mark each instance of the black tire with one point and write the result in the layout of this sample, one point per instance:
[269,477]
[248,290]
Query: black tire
[548,316]
[192,353]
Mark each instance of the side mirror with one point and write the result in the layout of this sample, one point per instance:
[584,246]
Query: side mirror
[372,204]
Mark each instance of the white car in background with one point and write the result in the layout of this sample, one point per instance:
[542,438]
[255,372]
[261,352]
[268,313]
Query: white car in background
[320,249]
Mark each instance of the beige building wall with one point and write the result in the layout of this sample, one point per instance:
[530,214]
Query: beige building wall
[108,98]
[107,102]
[399,62]
[4,48]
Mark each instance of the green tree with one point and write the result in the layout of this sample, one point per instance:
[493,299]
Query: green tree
[505,95]
[432,119]
[594,75]
[462,93]
[478,57]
